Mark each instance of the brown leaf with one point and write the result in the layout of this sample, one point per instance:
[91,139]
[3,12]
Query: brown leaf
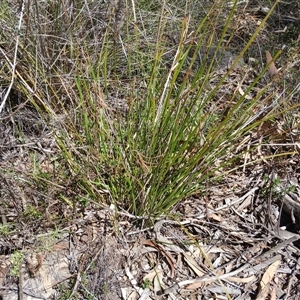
[273,294]
[241,279]
[263,294]
[266,280]
[33,268]
[269,274]
[193,264]
[195,286]
[60,246]
[163,252]
[215,217]
[272,68]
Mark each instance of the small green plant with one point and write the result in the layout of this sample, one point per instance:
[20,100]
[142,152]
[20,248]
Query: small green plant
[16,262]
[104,288]
[146,283]
[46,242]
[7,229]
[65,291]
[275,187]
[32,213]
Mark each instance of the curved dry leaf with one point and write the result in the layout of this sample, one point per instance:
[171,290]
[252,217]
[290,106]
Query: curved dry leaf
[263,294]
[133,296]
[269,274]
[272,68]
[193,264]
[273,294]
[242,93]
[195,286]
[241,280]
[163,252]
[266,280]
[150,276]
[215,217]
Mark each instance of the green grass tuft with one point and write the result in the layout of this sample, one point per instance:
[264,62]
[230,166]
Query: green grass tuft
[139,122]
